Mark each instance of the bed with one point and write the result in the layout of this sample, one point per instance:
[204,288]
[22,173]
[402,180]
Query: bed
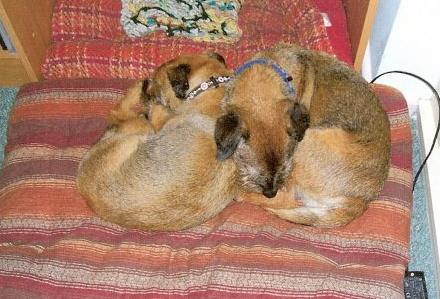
[53,246]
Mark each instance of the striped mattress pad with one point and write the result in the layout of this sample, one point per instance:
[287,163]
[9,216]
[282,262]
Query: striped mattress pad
[53,246]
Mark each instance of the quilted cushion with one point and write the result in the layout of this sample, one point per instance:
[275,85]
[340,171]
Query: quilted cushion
[89,41]
[52,245]
[210,21]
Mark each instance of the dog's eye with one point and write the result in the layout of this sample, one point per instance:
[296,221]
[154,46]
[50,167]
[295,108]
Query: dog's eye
[291,132]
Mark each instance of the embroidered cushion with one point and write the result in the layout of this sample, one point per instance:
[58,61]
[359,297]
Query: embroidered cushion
[89,41]
[201,20]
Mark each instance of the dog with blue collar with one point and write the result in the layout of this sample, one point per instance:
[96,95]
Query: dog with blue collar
[308,134]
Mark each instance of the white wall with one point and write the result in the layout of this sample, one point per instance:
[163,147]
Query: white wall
[385,17]
[413,45]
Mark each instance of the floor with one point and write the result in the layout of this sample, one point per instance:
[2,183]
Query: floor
[421,247]
[7,97]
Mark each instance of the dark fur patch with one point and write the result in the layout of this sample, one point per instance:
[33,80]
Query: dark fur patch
[227,135]
[145,97]
[218,57]
[272,163]
[145,85]
[178,77]
[300,121]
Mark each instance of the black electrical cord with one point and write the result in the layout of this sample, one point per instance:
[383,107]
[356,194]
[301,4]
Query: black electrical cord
[438,123]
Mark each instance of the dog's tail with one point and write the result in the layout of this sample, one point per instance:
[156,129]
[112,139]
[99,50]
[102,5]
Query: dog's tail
[344,210]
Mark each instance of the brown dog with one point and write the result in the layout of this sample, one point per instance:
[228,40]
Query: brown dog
[171,179]
[288,95]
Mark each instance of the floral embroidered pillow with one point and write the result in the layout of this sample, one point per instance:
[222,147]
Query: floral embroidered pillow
[201,20]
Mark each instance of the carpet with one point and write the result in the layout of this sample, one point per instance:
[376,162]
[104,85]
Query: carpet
[421,246]
[7,98]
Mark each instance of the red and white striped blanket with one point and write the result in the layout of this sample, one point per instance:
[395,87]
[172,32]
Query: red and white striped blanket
[52,245]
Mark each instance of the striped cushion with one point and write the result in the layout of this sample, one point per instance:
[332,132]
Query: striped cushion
[89,41]
[52,245]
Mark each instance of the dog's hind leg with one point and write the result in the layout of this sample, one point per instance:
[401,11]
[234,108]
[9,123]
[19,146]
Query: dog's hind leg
[159,115]
[339,213]
[136,125]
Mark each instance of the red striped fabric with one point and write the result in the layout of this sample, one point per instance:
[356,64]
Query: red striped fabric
[53,246]
[89,42]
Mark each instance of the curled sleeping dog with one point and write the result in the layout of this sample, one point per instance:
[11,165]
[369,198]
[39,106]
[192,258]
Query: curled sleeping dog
[162,173]
[289,94]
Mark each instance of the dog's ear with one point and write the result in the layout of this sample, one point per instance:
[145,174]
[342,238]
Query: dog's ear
[145,96]
[227,135]
[218,57]
[178,77]
[300,119]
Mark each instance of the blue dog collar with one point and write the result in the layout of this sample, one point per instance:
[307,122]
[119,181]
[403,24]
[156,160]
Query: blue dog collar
[262,61]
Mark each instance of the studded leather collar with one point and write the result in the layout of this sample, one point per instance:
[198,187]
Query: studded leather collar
[212,82]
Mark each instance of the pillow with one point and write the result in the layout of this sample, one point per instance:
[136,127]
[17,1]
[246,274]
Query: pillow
[201,20]
[89,41]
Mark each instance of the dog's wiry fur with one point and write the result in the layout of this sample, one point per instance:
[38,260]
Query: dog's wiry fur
[162,173]
[326,149]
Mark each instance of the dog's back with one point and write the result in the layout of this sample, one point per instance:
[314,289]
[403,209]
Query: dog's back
[170,180]
[345,102]
[162,173]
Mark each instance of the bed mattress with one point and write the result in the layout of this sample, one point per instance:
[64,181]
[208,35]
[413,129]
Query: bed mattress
[52,245]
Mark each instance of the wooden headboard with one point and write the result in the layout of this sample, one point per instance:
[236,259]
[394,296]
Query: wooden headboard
[360,20]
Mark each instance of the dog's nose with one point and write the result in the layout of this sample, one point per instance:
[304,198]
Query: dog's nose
[270,192]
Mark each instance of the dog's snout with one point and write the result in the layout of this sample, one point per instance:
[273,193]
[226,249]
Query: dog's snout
[270,190]
[270,187]
[270,193]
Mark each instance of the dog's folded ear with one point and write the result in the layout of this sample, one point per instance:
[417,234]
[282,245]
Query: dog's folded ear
[178,77]
[145,96]
[217,56]
[227,135]
[300,119]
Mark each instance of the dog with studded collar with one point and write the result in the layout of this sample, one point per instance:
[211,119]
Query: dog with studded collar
[160,172]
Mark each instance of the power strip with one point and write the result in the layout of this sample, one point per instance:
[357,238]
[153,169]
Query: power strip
[415,285]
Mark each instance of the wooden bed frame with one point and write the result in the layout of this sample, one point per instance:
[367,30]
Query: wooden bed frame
[28,24]
[360,20]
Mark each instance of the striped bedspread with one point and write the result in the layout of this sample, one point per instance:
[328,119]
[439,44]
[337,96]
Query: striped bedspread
[53,246]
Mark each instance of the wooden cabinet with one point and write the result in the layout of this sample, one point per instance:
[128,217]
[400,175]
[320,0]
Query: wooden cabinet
[27,23]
